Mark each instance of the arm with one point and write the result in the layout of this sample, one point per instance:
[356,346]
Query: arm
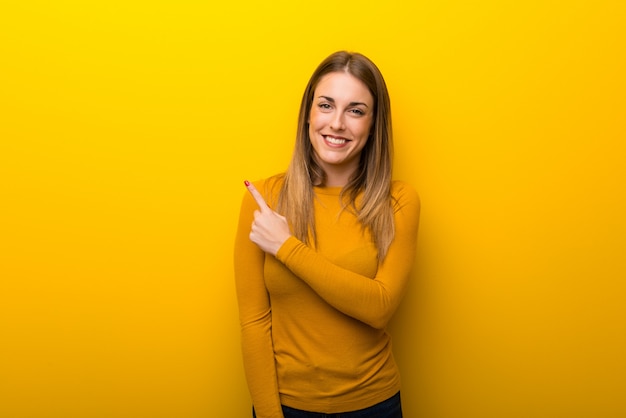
[372,301]
[255,316]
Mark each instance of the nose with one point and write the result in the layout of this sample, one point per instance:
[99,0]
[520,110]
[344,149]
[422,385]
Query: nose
[337,122]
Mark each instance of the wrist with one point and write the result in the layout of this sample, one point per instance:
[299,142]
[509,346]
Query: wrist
[279,245]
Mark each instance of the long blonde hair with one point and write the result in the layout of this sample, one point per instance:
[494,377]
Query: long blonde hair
[373,176]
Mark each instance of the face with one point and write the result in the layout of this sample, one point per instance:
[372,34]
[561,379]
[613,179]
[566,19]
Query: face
[340,121]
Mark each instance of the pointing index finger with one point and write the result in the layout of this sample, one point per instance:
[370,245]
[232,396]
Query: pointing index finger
[257,196]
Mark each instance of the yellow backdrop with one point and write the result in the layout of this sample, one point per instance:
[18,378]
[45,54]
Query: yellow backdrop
[127,128]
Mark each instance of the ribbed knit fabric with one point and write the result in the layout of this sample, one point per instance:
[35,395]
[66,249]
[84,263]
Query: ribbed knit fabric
[313,319]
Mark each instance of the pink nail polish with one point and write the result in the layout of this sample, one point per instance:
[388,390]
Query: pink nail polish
[246,182]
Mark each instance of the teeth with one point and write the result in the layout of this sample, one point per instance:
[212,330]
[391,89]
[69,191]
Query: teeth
[336,141]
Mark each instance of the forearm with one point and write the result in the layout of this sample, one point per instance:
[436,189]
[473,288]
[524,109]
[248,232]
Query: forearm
[370,300]
[260,369]
[369,297]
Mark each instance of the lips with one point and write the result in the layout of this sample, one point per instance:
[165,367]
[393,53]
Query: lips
[335,140]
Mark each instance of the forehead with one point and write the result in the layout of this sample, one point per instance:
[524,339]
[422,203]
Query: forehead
[343,86]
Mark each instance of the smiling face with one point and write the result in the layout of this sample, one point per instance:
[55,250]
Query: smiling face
[340,122]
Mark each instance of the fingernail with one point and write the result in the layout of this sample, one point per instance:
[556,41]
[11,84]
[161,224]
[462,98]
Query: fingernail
[246,182]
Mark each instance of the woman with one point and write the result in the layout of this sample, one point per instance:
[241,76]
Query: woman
[323,254]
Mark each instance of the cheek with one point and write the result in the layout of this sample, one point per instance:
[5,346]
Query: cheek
[315,120]
[364,128]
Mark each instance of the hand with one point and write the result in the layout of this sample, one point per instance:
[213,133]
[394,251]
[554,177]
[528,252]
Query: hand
[269,229]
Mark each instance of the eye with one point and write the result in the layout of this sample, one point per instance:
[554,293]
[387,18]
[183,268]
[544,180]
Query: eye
[324,106]
[357,112]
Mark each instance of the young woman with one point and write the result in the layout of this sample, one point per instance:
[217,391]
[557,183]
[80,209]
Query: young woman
[323,254]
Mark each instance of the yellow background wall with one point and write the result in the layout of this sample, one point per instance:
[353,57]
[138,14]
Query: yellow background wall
[127,128]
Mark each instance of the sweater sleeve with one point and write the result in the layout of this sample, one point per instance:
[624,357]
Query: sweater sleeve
[372,301]
[255,317]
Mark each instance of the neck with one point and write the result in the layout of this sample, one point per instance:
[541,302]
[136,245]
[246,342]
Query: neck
[337,176]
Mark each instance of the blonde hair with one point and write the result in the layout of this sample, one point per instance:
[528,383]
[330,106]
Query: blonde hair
[373,176]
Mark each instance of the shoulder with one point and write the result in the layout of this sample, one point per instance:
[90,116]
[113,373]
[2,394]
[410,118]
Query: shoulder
[402,194]
[406,206]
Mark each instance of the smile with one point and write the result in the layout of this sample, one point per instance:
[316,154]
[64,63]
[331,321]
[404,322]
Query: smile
[335,140]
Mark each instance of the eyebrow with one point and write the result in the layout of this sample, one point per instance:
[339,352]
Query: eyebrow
[330,99]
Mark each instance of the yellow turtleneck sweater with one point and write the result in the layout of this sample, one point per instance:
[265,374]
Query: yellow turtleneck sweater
[313,319]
